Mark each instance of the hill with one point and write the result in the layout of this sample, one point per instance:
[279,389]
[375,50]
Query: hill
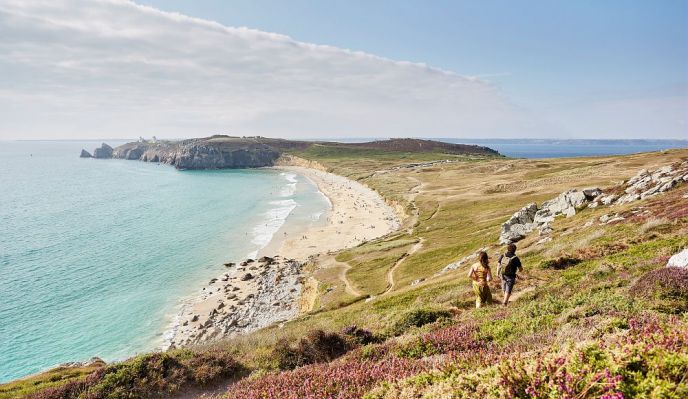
[220,151]
[595,314]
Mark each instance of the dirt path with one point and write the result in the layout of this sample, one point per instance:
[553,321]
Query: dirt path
[348,287]
[390,273]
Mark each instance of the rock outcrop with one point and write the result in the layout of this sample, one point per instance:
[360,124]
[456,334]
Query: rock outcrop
[530,217]
[85,154]
[645,184]
[679,260]
[104,152]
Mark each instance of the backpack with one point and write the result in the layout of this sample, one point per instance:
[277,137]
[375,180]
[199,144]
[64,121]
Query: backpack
[511,266]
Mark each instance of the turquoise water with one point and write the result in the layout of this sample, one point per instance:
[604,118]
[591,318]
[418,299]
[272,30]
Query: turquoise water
[95,255]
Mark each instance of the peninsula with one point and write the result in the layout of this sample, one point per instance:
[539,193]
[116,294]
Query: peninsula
[222,152]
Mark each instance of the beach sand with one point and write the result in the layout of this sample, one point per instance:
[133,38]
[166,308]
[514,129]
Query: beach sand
[233,304]
[357,214]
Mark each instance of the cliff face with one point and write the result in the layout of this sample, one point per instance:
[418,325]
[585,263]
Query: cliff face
[200,154]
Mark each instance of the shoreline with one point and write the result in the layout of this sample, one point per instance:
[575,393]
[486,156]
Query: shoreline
[258,293]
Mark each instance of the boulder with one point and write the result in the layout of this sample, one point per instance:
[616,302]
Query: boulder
[246,277]
[85,154]
[520,224]
[591,193]
[608,199]
[679,260]
[104,152]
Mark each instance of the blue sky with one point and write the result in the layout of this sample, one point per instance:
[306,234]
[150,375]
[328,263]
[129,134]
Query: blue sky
[569,69]
[537,51]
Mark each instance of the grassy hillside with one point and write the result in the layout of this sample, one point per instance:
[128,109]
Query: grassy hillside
[595,314]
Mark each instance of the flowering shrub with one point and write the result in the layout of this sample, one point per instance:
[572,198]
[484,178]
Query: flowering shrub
[667,286]
[650,360]
[456,338]
[151,376]
[338,380]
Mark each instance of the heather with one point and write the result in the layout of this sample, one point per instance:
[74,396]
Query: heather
[665,289]
[155,375]
[342,380]
[650,360]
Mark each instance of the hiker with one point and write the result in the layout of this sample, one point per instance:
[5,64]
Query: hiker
[509,264]
[481,275]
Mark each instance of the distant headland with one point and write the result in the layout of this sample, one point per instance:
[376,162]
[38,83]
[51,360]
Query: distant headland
[226,152]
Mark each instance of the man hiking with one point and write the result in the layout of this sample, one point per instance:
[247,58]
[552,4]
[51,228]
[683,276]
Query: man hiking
[509,264]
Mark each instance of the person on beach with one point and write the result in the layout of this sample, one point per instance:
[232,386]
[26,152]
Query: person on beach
[509,265]
[480,274]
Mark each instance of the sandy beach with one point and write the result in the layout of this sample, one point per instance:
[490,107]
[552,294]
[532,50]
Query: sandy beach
[357,214]
[257,293]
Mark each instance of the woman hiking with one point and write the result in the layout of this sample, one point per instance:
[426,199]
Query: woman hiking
[481,275]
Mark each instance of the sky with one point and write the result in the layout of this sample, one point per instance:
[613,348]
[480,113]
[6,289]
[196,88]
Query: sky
[305,69]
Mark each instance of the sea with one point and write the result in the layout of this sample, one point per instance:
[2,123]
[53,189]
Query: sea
[96,256]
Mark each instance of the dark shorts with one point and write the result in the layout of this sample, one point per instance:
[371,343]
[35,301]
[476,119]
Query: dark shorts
[508,283]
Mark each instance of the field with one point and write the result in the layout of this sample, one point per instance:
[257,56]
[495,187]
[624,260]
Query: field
[594,314]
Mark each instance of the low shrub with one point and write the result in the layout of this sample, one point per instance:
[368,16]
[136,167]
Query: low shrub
[336,380]
[359,336]
[559,263]
[151,376]
[316,347]
[666,288]
[417,318]
[650,360]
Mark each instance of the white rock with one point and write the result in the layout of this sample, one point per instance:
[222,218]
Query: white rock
[616,219]
[604,218]
[608,199]
[679,260]
[544,240]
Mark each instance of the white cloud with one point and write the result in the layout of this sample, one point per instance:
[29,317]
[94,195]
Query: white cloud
[113,68]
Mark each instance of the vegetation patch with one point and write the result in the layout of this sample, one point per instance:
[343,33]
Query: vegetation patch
[155,375]
[666,289]
[317,346]
[560,263]
[417,318]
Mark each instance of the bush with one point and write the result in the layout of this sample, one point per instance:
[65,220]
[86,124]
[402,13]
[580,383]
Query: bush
[150,376]
[666,287]
[417,318]
[559,263]
[359,336]
[316,347]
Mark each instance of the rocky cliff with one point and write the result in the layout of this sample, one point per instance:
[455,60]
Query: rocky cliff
[201,153]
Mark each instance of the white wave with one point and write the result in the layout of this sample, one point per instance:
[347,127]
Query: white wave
[289,189]
[273,220]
